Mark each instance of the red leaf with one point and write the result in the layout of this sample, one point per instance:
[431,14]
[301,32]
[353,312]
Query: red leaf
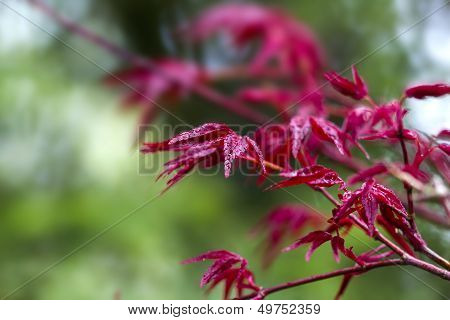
[274,143]
[205,146]
[375,255]
[299,128]
[370,206]
[356,89]
[348,201]
[328,131]
[401,223]
[387,196]
[338,245]
[391,229]
[233,146]
[445,147]
[284,42]
[207,131]
[150,86]
[358,121]
[228,267]
[344,285]
[442,163]
[427,90]
[314,176]
[256,153]
[366,200]
[316,238]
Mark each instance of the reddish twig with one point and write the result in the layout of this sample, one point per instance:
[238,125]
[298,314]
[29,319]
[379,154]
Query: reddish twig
[323,276]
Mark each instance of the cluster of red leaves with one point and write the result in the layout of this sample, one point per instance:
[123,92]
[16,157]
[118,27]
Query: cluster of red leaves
[229,268]
[205,146]
[303,132]
[366,201]
[373,202]
[283,40]
[289,49]
[314,176]
[284,49]
[284,46]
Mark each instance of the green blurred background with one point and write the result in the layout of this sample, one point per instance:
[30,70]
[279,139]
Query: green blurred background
[68,169]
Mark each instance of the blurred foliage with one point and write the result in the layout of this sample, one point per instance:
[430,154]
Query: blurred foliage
[68,172]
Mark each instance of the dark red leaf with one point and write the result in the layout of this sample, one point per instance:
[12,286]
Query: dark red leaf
[387,196]
[315,176]
[358,122]
[442,163]
[207,131]
[338,245]
[316,238]
[444,134]
[349,199]
[299,127]
[427,90]
[205,146]
[284,42]
[344,285]
[392,221]
[228,267]
[356,89]
[445,147]
[370,206]
[394,234]
[328,131]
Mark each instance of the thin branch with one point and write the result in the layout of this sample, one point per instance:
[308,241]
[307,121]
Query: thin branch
[204,91]
[406,185]
[436,257]
[323,276]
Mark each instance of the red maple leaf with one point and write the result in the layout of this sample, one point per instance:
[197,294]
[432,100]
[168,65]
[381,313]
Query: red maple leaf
[282,40]
[228,267]
[314,176]
[205,146]
[427,90]
[356,89]
[317,238]
[366,201]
